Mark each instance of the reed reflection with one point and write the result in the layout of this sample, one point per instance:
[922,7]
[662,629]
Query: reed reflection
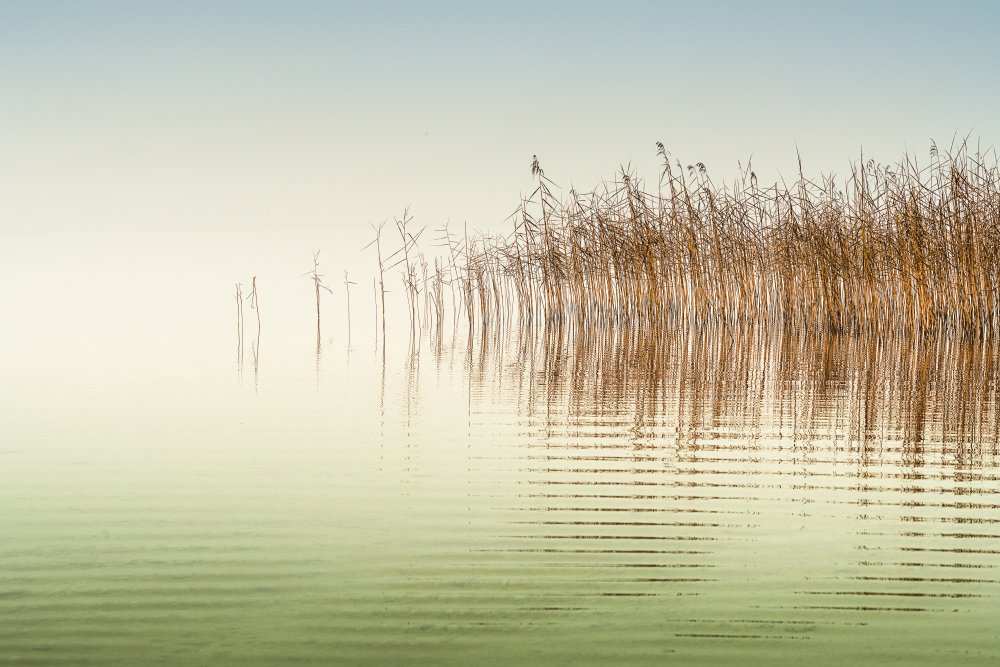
[793,473]
[911,400]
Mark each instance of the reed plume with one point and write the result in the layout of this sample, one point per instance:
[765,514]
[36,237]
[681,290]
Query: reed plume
[895,247]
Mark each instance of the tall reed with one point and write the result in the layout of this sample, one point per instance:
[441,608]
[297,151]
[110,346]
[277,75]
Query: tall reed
[255,306]
[347,291]
[894,247]
[239,317]
[317,279]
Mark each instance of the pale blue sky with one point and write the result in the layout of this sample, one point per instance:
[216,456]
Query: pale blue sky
[268,115]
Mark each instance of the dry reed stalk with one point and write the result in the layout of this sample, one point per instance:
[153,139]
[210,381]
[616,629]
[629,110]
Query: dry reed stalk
[254,300]
[317,279]
[899,247]
[380,293]
[347,290]
[904,247]
[239,317]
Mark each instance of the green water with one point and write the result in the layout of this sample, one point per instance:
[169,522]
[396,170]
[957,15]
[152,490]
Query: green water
[535,498]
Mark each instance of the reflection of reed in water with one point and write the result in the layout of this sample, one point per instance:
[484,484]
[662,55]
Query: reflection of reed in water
[908,396]
[790,475]
[239,332]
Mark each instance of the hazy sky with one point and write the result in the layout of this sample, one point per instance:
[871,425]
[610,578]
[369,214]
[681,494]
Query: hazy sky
[270,115]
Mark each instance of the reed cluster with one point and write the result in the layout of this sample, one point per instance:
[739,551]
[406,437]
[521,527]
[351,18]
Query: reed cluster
[894,247]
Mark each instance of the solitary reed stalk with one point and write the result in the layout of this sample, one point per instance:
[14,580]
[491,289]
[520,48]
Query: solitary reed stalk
[317,279]
[239,317]
[380,294]
[255,305]
[347,291]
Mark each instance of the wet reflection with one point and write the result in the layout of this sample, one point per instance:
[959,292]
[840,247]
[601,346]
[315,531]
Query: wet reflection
[910,401]
[796,478]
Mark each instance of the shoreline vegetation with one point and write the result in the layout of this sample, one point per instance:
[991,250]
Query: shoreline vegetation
[896,247]
[911,247]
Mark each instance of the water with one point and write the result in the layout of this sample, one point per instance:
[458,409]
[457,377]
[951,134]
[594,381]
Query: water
[526,496]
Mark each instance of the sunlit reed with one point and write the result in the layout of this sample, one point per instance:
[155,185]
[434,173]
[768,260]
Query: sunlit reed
[895,247]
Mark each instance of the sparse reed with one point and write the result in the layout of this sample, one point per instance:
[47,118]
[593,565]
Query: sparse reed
[317,279]
[347,291]
[255,306]
[239,317]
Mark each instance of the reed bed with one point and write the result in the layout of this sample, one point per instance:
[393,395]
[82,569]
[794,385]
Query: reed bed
[894,247]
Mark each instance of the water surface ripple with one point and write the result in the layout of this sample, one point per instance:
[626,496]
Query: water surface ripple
[546,496]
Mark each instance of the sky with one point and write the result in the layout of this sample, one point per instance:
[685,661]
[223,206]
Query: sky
[304,115]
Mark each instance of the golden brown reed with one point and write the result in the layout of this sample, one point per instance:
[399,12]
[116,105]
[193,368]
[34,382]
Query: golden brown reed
[896,247]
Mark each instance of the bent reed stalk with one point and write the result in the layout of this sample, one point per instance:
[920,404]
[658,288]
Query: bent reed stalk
[897,247]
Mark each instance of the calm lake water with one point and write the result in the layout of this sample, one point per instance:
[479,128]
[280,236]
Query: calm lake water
[527,496]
